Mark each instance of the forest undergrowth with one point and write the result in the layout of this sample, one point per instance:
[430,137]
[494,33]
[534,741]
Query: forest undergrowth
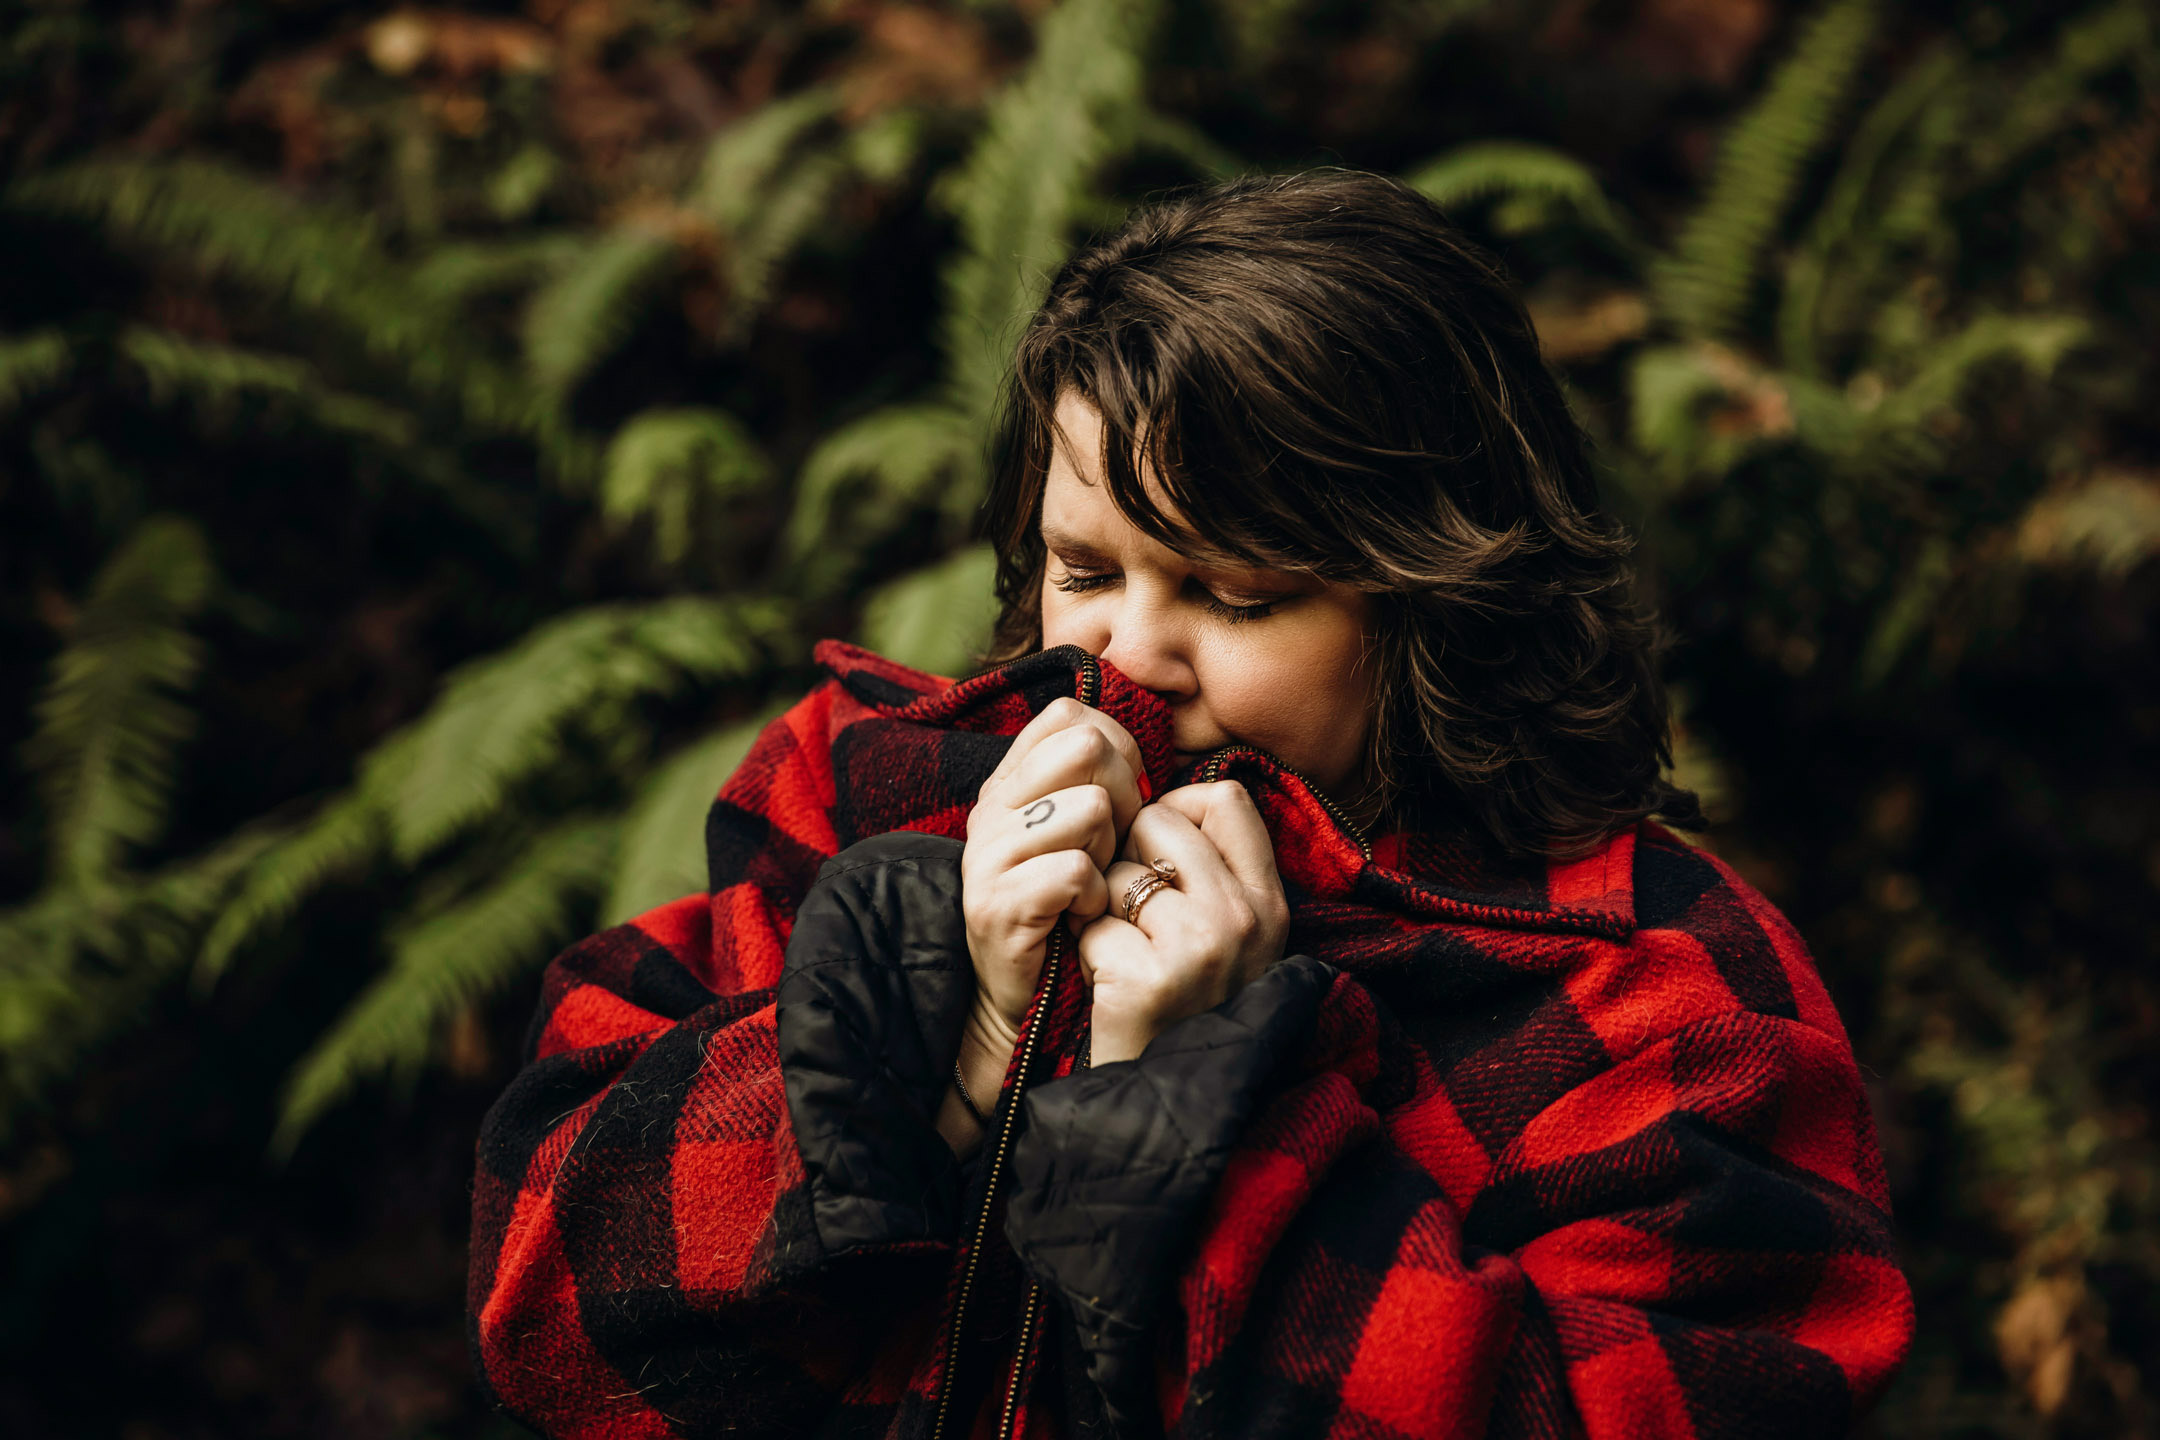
[432,440]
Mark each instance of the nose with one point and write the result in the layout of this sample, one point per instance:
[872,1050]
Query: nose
[1148,645]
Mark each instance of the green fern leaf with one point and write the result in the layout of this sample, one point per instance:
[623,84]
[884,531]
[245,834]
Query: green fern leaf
[345,838]
[110,718]
[457,273]
[580,317]
[2110,524]
[768,184]
[1844,210]
[216,378]
[664,463]
[938,618]
[875,472]
[1028,180]
[1898,434]
[1181,140]
[743,160]
[501,719]
[2058,94]
[77,969]
[317,259]
[1911,606]
[1510,168]
[1705,285]
[448,961]
[30,364]
[662,856]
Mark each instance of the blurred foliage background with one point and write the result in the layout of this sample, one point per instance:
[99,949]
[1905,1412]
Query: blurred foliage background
[430,441]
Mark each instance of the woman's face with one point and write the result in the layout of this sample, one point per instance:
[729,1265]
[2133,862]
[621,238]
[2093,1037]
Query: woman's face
[1266,657]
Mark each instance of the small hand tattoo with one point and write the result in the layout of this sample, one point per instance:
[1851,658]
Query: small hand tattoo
[1047,807]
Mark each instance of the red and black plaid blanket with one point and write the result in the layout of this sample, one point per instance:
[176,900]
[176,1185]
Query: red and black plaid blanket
[1576,1148]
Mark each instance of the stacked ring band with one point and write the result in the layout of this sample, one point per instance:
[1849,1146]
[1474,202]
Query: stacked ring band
[1160,874]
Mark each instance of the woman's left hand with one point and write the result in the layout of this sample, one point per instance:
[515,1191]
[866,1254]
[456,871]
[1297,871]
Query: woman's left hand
[1197,942]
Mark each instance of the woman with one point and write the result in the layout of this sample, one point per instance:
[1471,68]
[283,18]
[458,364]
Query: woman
[1266,1005]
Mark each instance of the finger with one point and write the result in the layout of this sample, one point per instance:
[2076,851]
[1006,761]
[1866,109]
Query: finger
[1161,833]
[1081,755]
[1041,890]
[1060,714]
[1079,817]
[1107,939]
[1224,812]
[1118,881]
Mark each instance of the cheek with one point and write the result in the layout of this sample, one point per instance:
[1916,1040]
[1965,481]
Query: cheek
[1060,620]
[1302,696]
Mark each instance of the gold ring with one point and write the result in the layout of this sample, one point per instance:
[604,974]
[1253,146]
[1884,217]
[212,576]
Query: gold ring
[1142,891]
[1160,874]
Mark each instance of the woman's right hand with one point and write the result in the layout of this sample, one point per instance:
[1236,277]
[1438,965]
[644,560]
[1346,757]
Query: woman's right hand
[1045,826]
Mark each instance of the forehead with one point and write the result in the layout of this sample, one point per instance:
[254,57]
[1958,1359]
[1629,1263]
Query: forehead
[1078,507]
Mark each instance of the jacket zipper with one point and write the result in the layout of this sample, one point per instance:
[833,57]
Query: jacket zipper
[1029,1308]
[1211,771]
[1087,689]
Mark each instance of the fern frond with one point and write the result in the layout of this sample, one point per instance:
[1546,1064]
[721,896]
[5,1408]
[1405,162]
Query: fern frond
[447,962]
[215,380]
[1897,433]
[662,854]
[2057,94]
[581,316]
[1912,604]
[1844,206]
[77,969]
[767,185]
[938,618]
[1509,168]
[505,717]
[1705,284]
[1183,141]
[31,363]
[516,190]
[743,160]
[2110,524]
[459,272]
[111,716]
[1028,180]
[879,468]
[345,837]
[663,463]
[316,258]
[217,377]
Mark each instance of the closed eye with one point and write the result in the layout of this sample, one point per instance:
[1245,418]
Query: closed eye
[1074,582]
[1235,613]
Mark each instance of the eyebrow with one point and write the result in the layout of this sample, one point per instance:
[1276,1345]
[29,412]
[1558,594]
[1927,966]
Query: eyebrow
[1071,547]
[1074,550]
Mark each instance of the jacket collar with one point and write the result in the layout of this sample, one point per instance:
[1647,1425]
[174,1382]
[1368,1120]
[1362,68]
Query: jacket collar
[1427,875]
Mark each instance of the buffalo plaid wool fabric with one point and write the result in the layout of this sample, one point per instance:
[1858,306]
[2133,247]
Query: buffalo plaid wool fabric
[1574,1149]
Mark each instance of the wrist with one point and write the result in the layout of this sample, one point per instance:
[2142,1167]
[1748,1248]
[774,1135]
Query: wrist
[1113,1036]
[986,1047]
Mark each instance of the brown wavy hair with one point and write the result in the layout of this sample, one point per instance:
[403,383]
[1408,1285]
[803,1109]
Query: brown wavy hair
[1324,376]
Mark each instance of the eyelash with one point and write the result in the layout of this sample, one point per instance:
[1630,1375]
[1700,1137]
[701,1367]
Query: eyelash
[1077,584]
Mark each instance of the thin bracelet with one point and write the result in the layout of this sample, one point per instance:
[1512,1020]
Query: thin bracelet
[967,1099]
